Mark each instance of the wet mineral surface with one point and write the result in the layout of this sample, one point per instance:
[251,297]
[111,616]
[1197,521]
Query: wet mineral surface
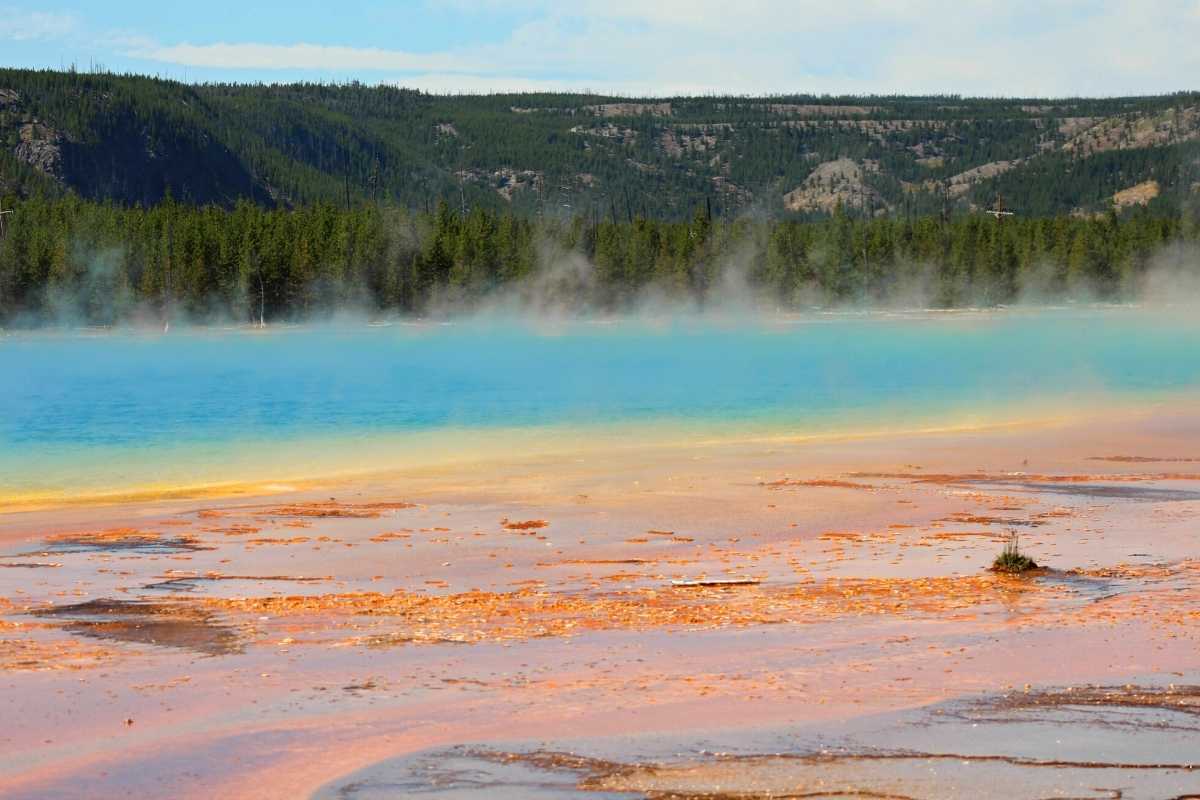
[747,619]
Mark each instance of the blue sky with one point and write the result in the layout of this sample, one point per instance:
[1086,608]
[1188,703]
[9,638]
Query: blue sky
[632,47]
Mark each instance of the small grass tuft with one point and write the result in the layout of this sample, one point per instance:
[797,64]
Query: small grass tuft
[1011,559]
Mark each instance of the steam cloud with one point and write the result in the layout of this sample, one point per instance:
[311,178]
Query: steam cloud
[565,285]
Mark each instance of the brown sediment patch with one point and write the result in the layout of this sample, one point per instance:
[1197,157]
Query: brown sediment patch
[111,534]
[597,561]
[1141,571]
[959,536]
[465,682]
[827,774]
[31,565]
[550,761]
[618,577]
[390,536]
[885,776]
[842,536]
[523,525]
[817,483]
[1114,486]
[1184,699]
[34,655]
[275,540]
[478,616]
[182,680]
[836,538]
[335,509]
[123,539]
[1058,513]
[1023,478]
[238,529]
[1145,459]
[922,477]
[981,519]
[652,684]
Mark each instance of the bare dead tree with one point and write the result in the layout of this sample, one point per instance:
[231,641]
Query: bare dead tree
[262,300]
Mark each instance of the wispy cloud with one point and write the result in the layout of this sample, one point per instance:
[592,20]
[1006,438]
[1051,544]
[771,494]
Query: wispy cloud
[1028,47]
[252,56]
[467,83]
[969,46]
[33,26]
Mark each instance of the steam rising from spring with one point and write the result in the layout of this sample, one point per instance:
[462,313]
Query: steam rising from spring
[564,284]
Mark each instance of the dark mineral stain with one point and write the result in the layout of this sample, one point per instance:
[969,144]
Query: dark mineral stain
[160,624]
[132,542]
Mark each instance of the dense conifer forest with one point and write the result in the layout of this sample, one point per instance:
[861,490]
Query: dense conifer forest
[133,139]
[136,198]
[76,261]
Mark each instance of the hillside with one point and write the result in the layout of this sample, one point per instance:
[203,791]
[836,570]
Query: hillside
[134,140]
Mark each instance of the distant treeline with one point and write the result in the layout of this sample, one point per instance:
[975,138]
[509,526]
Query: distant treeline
[73,261]
[134,139]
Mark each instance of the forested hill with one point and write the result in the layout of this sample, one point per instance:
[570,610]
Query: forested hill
[134,140]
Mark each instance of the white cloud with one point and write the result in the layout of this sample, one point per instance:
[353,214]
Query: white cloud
[640,47]
[1108,48]
[764,16]
[299,56]
[465,83]
[34,26]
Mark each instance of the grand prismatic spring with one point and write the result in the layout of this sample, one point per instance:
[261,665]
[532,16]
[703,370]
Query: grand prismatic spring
[695,557]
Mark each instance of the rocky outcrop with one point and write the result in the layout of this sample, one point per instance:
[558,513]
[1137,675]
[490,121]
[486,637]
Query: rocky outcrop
[1138,195]
[1138,130]
[630,109]
[834,183]
[958,185]
[39,146]
[509,181]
